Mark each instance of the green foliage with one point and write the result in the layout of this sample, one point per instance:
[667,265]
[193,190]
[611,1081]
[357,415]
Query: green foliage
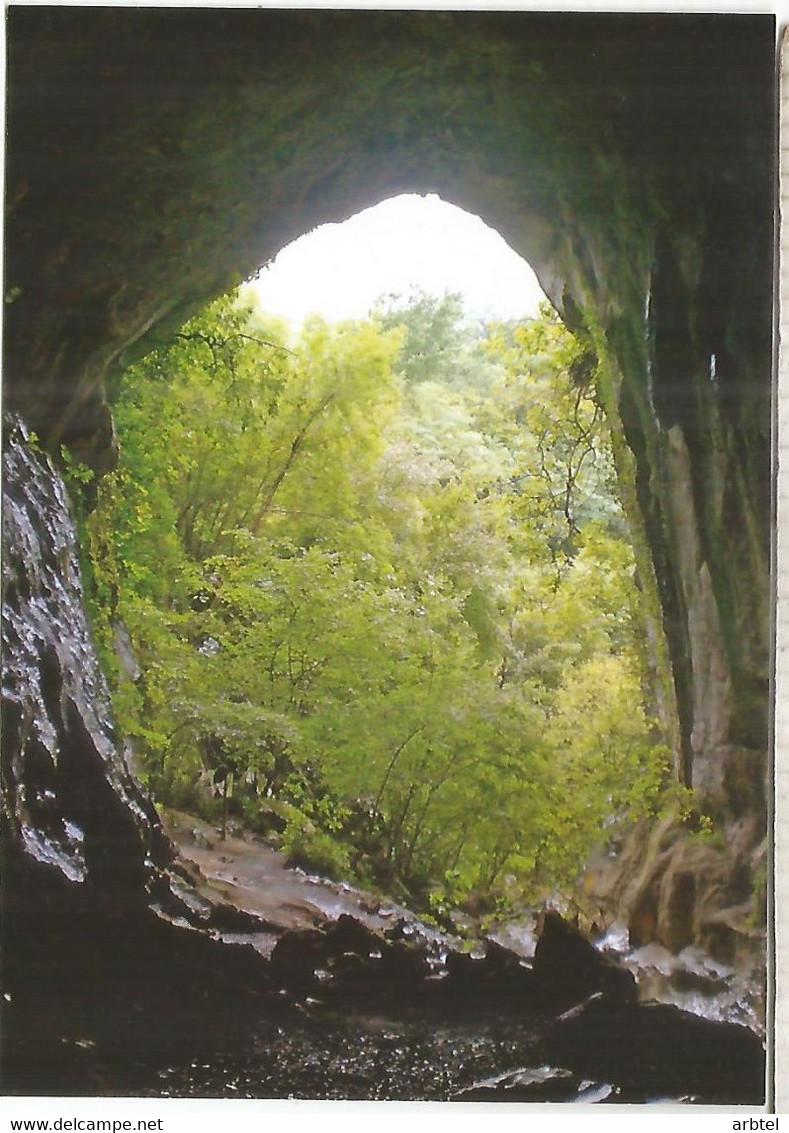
[316,852]
[436,342]
[380,593]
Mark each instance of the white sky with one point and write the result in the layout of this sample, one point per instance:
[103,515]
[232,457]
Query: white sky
[340,270]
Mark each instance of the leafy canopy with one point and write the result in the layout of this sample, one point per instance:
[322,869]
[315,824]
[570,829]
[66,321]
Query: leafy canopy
[381,584]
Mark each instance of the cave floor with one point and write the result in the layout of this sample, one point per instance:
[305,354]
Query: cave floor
[250,875]
[106,1013]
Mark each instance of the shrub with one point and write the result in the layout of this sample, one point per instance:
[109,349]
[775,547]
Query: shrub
[316,851]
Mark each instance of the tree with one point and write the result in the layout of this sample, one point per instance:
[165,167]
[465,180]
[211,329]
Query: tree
[375,578]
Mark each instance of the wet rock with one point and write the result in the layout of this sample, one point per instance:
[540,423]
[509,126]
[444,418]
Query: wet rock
[656,1050]
[70,802]
[347,934]
[540,1084]
[404,967]
[228,918]
[498,973]
[355,960]
[297,954]
[537,1084]
[568,968]
[590,1093]
[519,935]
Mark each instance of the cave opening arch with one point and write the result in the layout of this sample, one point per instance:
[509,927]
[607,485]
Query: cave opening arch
[628,159]
[448,464]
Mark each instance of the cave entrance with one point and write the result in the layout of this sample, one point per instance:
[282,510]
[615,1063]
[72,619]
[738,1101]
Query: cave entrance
[404,243]
[631,159]
[601,147]
[389,568]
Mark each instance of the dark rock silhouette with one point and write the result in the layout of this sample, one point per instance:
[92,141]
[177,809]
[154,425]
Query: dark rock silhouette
[568,968]
[655,1050]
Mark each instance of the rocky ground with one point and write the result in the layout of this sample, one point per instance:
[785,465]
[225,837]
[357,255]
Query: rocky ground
[250,875]
[513,1018]
[298,987]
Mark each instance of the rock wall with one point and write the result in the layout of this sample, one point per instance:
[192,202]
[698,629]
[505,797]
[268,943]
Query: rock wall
[69,799]
[158,156]
[102,932]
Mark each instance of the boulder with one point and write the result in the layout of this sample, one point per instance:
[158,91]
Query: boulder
[654,1050]
[348,959]
[499,974]
[568,968]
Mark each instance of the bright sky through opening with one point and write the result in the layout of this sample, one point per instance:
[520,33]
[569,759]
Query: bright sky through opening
[407,242]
